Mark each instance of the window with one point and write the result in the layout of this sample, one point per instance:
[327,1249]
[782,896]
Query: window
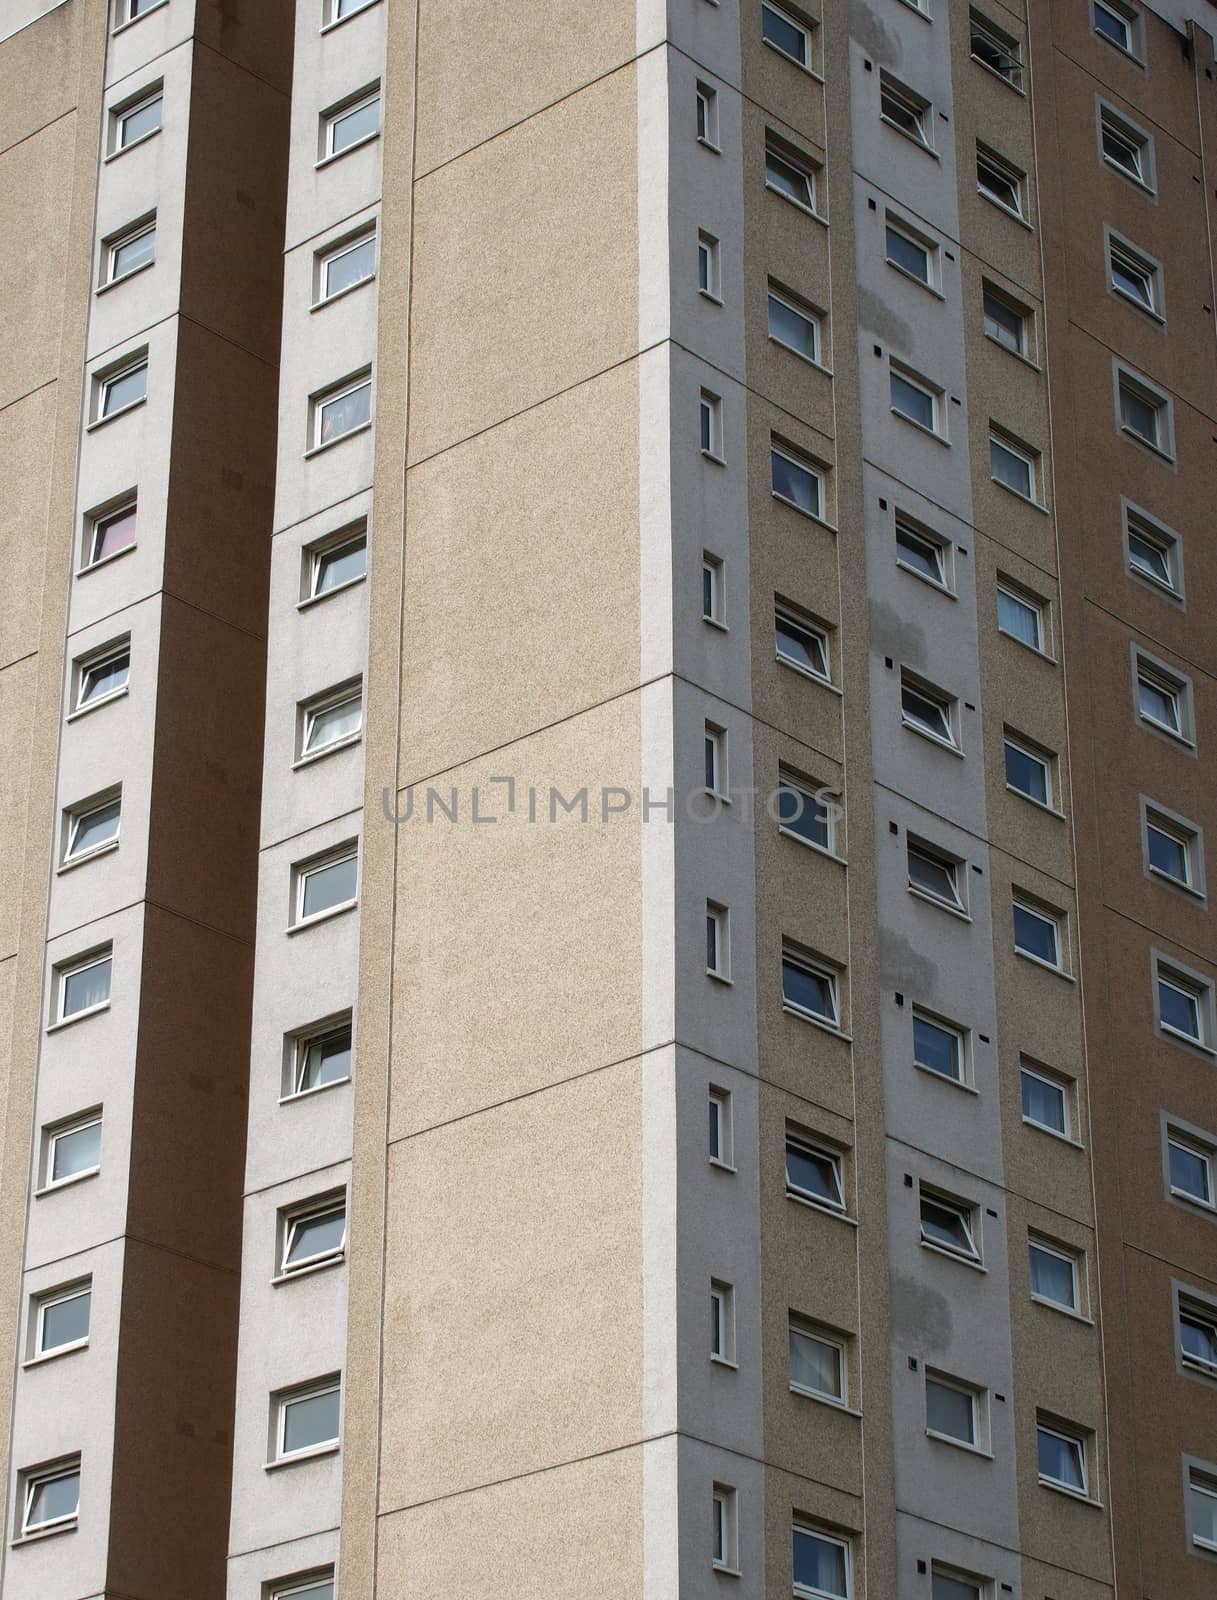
[802,815]
[808,990]
[998,50]
[1125,147]
[1045,1099]
[718,941]
[1163,699]
[83,986]
[904,110]
[318,1586]
[332,720]
[713,599]
[1185,1003]
[796,481]
[313,1236]
[1134,276]
[109,533]
[817,1361]
[1154,552]
[1062,1458]
[1202,1509]
[1011,466]
[306,1419]
[813,1174]
[121,387]
[707,115]
[927,710]
[73,1149]
[709,281]
[1037,933]
[1198,1337]
[1189,1168]
[338,9]
[1054,1274]
[934,875]
[710,423]
[136,119]
[1019,616]
[1005,320]
[132,10]
[1117,23]
[61,1319]
[716,760]
[951,1410]
[346,265]
[91,828]
[998,181]
[799,643]
[914,400]
[1028,772]
[946,1585]
[821,1564]
[337,563]
[342,410]
[101,677]
[318,1059]
[350,124]
[327,884]
[724,1539]
[721,1141]
[780,29]
[910,253]
[919,551]
[1144,413]
[126,252]
[793,324]
[938,1046]
[947,1224]
[722,1322]
[1172,848]
[789,177]
[50,1497]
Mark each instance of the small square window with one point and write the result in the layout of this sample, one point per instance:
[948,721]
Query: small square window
[722,1321]
[996,49]
[789,176]
[817,1361]
[935,875]
[820,1562]
[785,33]
[318,1058]
[1163,699]
[938,1046]
[999,182]
[1006,320]
[1144,413]
[1011,465]
[1062,1458]
[813,1174]
[1154,552]
[340,411]
[709,277]
[1184,1004]
[92,827]
[345,265]
[1202,1509]
[949,1225]
[331,721]
[327,884]
[128,251]
[1118,24]
[311,1586]
[915,399]
[920,551]
[799,643]
[724,1530]
[951,1410]
[1134,276]
[1037,933]
[953,1585]
[1190,1169]
[1125,147]
[110,533]
[1172,849]
[336,562]
[911,253]
[713,590]
[83,986]
[72,1149]
[1198,1336]
[710,425]
[796,480]
[927,710]
[718,941]
[905,110]
[809,990]
[1045,1098]
[101,676]
[50,1497]
[136,119]
[1054,1274]
[121,387]
[715,750]
[802,814]
[350,124]
[60,1320]
[306,1419]
[1021,616]
[793,323]
[1028,770]
[313,1235]
[721,1141]
[707,115]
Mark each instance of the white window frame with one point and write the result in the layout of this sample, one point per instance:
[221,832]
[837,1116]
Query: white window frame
[1193,985]
[1138,143]
[119,114]
[794,957]
[916,532]
[1201,1151]
[709,254]
[1041,758]
[802,463]
[335,251]
[290,1220]
[326,397]
[30,1480]
[804,1328]
[952,868]
[1135,264]
[720,1108]
[815,1531]
[44,1302]
[332,19]
[713,590]
[982,1587]
[724,1541]
[1077,1277]
[919,241]
[1182,832]
[718,942]
[1140,390]
[706,101]
[797,621]
[1001,168]
[95,524]
[282,1399]
[309,710]
[1140,525]
[1056,920]
[975,1398]
[809,1146]
[775,150]
[333,115]
[714,766]
[946,703]
[114,242]
[1175,686]
[806,61]
[80,813]
[1130,18]
[710,425]
[95,661]
[991,291]
[1065,1087]
[123,12]
[1203,1483]
[1065,1432]
[960,1037]
[968,1216]
[304,1585]
[801,309]
[1000,41]
[296,1056]
[108,376]
[1003,441]
[56,1131]
[303,870]
[314,556]
[897,372]
[722,1312]
[914,106]
[1191,1308]
[809,798]
[68,969]
[1033,603]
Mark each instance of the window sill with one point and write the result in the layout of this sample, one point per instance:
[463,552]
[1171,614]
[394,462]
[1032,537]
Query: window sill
[793,60]
[310,1270]
[1147,444]
[113,416]
[713,622]
[329,444]
[1172,734]
[954,1255]
[1038,804]
[351,288]
[803,672]
[1167,590]
[1065,1311]
[144,266]
[1034,649]
[816,1022]
[1119,48]
[723,1166]
[339,588]
[1053,1133]
[822,1206]
[1139,305]
[826,1400]
[135,143]
[1130,177]
[1006,211]
[86,856]
[105,561]
[921,577]
[78,1016]
[66,1183]
[710,455]
[944,1077]
[327,750]
[1164,878]
[708,294]
[300,1457]
[934,738]
[941,905]
[53,1355]
[812,516]
[44,1533]
[913,278]
[1024,499]
[131,21]
[708,144]
[798,205]
[1047,966]
[1176,1037]
[1070,1494]
[817,366]
[724,1571]
[328,27]
[337,155]
[724,1361]
[102,700]
[810,844]
[307,1094]
[343,910]
[720,977]
[716,795]
[912,138]
[1018,355]
[959,1444]
[932,433]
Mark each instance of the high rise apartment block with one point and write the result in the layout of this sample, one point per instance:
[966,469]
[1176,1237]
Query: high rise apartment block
[609,708]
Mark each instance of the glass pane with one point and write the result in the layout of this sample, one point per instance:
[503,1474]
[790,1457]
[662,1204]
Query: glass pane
[800,646]
[114,533]
[792,328]
[912,402]
[803,814]
[1167,854]
[1149,558]
[326,1060]
[95,829]
[1009,468]
[315,1236]
[1136,284]
[716,1128]
[912,257]
[65,1322]
[77,1151]
[140,121]
[1060,1459]
[1198,1340]
[104,678]
[933,877]
[1122,151]
[1019,618]
[335,722]
[332,885]
[1160,704]
[124,390]
[919,553]
[350,126]
[1112,27]
[310,1421]
[948,1588]
[323,1589]
[1052,1277]
[1035,935]
[997,185]
[898,110]
[995,54]
[1139,414]
[795,483]
[703,267]
[1003,323]
[133,253]
[946,1226]
[926,713]
[1043,1102]
[348,411]
[783,33]
[808,991]
[53,1500]
[1178,1009]
[137,8]
[814,1364]
[1026,774]
[812,1173]
[346,8]
[1190,1173]
[949,1411]
[350,267]
[936,1048]
[788,179]
[343,564]
[819,1563]
[87,987]
[711,942]
[1202,1511]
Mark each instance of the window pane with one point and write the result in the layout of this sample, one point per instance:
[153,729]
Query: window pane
[334,722]
[950,1411]
[1179,1009]
[1052,1277]
[1139,414]
[1043,1102]
[1190,1172]
[1035,935]
[328,886]
[87,987]
[819,1564]
[905,253]
[812,1173]
[903,111]
[326,1060]
[815,1364]
[800,646]
[113,533]
[1132,280]
[780,31]
[1019,618]
[1009,468]
[920,554]
[997,184]
[131,254]
[76,1151]
[948,1588]
[320,1235]
[140,120]
[94,829]
[795,483]
[1060,1459]
[1202,1510]
[788,180]
[1112,27]
[792,328]
[803,814]
[323,1589]
[1149,558]
[808,991]
[347,411]
[1167,853]
[1003,323]
[349,267]
[342,564]
[1026,774]
[348,127]
[933,877]
[65,1322]
[911,401]
[53,1500]
[926,713]
[124,389]
[1198,1340]
[942,1224]
[310,1421]
[936,1047]
[104,678]
[1158,703]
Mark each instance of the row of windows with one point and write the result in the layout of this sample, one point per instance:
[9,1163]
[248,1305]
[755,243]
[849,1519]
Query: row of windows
[332,11]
